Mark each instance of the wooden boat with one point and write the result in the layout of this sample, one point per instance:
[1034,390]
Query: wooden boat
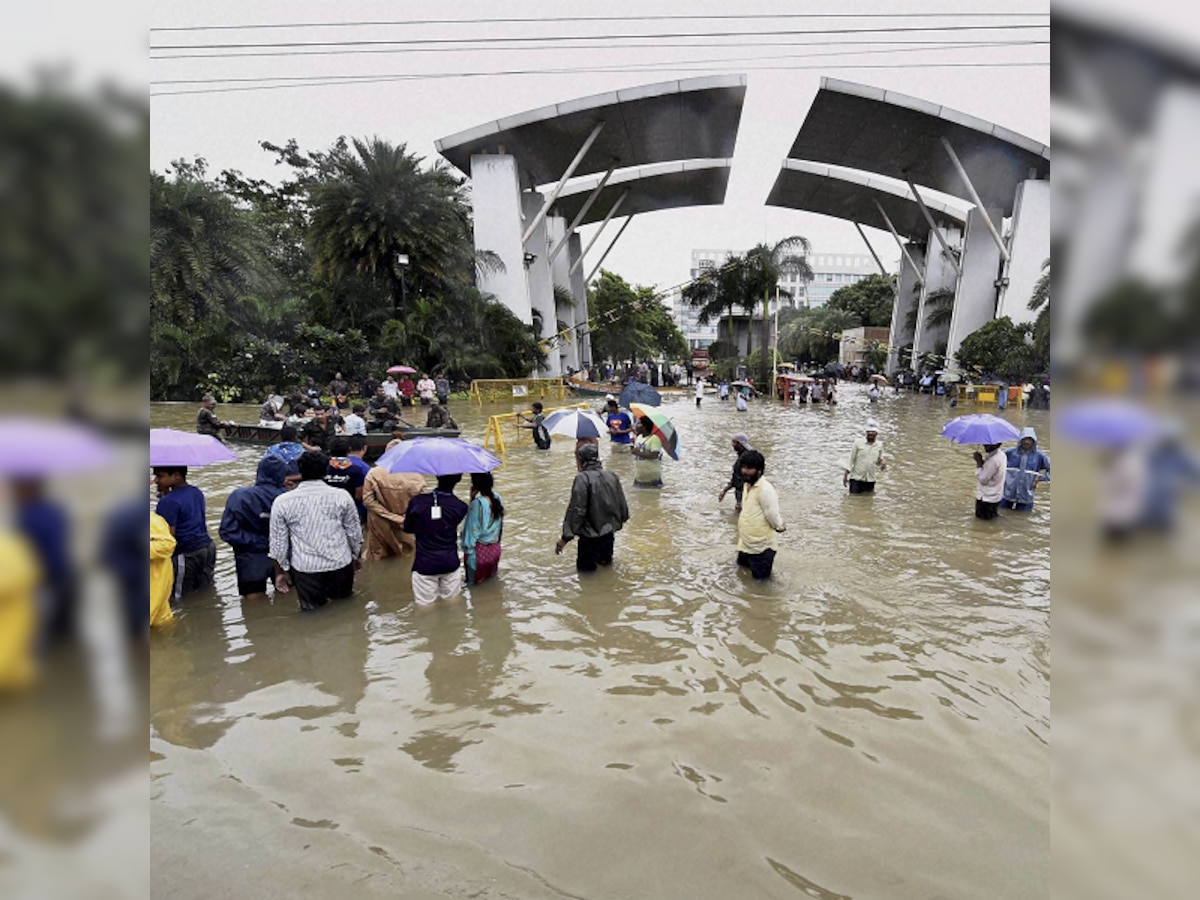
[377,441]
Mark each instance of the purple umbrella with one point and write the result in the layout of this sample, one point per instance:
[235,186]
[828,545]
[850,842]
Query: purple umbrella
[980,428]
[31,448]
[169,447]
[1107,422]
[437,456]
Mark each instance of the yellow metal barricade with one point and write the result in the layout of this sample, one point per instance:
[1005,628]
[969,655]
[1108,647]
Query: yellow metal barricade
[498,390]
[493,438]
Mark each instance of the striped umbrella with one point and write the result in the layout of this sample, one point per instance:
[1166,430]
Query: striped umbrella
[662,427]
[576,423]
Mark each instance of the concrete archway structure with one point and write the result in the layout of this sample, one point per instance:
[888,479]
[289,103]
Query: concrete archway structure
[530,171]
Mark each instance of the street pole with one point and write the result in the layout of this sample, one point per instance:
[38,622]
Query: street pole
[402,264]
[775,347]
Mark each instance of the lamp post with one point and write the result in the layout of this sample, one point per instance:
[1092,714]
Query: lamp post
[402,264]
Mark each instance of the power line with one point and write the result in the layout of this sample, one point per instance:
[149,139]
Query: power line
[621,67]
[536,39]
[580,71]
[542,19]
[494,47]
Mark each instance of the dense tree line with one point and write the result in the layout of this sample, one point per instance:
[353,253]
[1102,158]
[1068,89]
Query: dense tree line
[257,285]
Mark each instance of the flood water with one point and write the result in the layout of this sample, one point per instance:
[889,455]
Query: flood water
[873,722]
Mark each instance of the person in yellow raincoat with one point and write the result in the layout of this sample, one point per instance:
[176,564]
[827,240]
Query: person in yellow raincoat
[162,579]
[19,579]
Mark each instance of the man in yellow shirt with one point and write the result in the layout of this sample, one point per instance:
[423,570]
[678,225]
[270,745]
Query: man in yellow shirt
[760,521]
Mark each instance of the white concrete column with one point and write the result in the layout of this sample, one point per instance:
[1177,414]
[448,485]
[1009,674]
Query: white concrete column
[539,279]
[907,298]
[560,265]
[939,274]
[975,296]
[1029,247]
[583,338]
[497,205]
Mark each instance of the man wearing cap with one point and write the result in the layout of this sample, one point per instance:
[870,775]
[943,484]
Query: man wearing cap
[741,444]
[760,522]
[865,461]
[595,513]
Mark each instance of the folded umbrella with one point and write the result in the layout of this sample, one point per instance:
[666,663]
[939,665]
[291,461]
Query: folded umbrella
[636,392]
[1107,422]
[31,447]
[438,456]
[662,427]
[170,447]
[980,428]
[576,423]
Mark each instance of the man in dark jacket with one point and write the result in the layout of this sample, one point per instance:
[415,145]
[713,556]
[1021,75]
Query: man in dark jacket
[246,527]
[596,512]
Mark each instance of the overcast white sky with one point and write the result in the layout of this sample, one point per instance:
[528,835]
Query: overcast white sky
[225,127]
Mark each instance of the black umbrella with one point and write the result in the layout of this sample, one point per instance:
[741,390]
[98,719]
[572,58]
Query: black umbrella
[636,392]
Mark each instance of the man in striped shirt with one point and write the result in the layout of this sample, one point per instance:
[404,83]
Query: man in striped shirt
[316,537]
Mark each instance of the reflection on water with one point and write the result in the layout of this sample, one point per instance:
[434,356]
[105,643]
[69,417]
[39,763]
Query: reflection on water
[871,722]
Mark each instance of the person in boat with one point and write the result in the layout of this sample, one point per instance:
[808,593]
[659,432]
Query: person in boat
[206,417]
[269,412]
[382,412]
[439,416]
[338,387]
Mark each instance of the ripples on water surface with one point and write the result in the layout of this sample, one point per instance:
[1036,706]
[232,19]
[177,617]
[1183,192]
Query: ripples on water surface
[872,722]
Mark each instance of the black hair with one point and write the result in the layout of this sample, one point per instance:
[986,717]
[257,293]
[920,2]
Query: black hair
[171,470]
[288,433]
[646,422]
[313,465]
[537,407]
[447,482]
[358,441]
[359,409]
[339,446]
[482,482]
[752,459]
[990,447]
[612,403]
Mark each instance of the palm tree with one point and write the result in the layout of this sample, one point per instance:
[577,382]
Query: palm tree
[765,266]
[939,308]
[1040,300]
[716,292]
[377,204]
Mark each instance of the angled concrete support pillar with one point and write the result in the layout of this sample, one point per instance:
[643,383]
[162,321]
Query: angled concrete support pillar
[939,275]
[497,203]
[539,280]
[608,218]
[975,296]
[587,204]
[908,288]
[1029,245]
[545,207]
[604,255]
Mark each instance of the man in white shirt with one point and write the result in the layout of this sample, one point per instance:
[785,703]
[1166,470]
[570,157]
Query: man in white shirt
[426,388]
[316,537]
[760,521]
[989,480]
[355,423]
[390,387]
[699,391]
[865,460]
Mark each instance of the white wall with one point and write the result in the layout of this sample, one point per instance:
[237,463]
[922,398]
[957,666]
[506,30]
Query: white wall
[1028,247]
[907,297]
[975,296]
[939,274]
[582,337]
[496,201]
[538,279]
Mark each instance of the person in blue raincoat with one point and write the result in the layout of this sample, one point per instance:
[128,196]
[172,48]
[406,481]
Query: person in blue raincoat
[1171,467]
[246,526]
[1027,465]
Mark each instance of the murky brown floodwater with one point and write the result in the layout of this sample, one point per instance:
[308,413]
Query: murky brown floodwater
[872,723]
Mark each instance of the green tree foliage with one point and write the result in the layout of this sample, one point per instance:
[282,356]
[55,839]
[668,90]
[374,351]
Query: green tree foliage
[629,322]
[1040,302]
[815,334]
[73,234]
[870,299]
[999,348]
[765,266]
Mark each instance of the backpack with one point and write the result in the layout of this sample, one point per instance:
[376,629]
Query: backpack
[541,436]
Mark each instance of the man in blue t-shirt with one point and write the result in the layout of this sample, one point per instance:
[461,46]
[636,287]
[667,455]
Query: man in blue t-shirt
[182,505]
[620,426]
[348,472]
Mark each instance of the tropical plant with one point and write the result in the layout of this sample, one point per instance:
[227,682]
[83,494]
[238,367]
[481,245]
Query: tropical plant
[630,322]
[1000,347]
[765,266]
[939,308]
[871,300]
[1039,301]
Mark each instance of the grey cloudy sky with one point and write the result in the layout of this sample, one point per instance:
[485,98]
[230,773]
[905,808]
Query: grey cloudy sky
[782,57]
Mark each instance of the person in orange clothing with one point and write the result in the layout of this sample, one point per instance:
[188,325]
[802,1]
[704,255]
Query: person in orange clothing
[162,576]
[19,581]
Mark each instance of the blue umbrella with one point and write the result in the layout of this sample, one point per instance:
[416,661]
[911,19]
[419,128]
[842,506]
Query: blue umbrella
[1107,422]
[576,423]
[437,456]
[170,447]
[980,428]
[636,392]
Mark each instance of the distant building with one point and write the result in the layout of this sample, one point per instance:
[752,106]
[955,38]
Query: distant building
[854,343]
[836,270]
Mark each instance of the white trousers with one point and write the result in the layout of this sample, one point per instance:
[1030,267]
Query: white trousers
[430,588]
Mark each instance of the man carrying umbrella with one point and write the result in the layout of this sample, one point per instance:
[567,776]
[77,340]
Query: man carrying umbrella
[596,511]
[760,522]
[989,478]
